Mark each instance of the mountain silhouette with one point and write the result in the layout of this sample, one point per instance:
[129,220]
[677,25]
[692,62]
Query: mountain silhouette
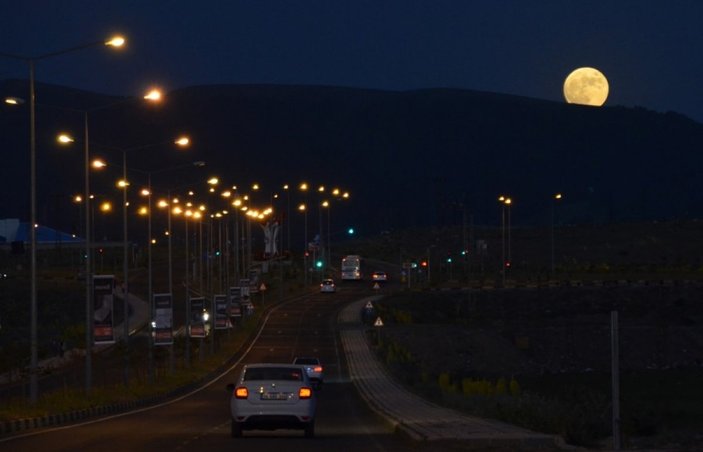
[410,158]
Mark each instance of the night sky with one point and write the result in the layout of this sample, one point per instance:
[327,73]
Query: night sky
[650,51]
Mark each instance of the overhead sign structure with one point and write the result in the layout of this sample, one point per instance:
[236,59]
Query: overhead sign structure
[103,300]
[197,323]
[163,319]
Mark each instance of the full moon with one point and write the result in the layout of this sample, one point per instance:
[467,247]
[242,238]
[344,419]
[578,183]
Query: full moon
[586,86]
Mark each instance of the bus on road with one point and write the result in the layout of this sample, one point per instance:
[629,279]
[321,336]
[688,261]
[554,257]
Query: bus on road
[351,268]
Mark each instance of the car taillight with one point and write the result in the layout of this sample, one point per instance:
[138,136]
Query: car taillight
[241,393]
[305,393]
[317,368]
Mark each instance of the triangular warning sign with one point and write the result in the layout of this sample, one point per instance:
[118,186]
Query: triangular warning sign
[376,286]
[378,322]
[262,287]
[368,305]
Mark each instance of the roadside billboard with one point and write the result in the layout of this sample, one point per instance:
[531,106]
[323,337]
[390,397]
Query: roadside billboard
[163,319]
[103,316]
[197,323]
[221,317]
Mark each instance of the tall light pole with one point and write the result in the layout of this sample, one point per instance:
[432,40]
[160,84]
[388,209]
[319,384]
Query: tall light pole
[327,205]
[503,264]
[303,209]
[286,187]
[509,263]
[555,199]
[182,141]
[153,95]
[116,41]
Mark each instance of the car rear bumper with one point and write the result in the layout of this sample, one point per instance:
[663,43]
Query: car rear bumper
[273,421]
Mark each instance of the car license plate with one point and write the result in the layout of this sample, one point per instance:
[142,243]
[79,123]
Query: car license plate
[274,396]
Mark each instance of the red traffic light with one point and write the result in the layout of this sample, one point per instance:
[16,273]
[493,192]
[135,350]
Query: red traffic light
[423,264]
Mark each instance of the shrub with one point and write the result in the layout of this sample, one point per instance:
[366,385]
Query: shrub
[514,387]
[444,381]
[501,387]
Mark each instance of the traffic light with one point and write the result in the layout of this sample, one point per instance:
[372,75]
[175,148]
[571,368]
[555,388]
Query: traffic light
[318,264]
[423,264]
[449,259]
[507,264]
[350,231]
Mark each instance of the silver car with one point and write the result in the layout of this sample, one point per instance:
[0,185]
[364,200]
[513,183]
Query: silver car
[314,369]
[273,396]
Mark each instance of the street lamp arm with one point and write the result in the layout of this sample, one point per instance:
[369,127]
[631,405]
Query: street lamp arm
[51,54]
[114,42]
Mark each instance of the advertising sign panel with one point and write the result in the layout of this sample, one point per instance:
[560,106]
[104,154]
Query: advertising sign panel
[235,298]
[103,300]
[221,317]
[197,324]
[245,286]
[163,319]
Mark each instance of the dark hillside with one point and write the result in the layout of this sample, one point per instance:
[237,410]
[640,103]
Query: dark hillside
[409,158]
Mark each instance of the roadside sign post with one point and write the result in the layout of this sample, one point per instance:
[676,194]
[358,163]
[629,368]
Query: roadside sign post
[378,324]
[262,289]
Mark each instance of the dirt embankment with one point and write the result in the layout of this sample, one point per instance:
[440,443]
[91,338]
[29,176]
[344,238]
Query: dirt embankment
[513,332]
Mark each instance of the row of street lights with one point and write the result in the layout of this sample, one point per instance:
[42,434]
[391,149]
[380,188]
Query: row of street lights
[116,42]
[506,203]
[86,199]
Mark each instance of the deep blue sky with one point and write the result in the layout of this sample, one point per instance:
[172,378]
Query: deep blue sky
[651,51]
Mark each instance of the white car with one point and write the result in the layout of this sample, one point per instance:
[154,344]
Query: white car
[314,369]
[327,285]
[273,396]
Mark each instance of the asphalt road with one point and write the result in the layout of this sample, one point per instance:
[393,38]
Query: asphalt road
[201,420]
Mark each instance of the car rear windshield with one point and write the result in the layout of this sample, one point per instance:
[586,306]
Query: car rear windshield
[307,361]
[273,373]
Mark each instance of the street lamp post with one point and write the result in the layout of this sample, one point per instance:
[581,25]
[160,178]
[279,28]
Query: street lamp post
[116,41]
[187,282]
[509,263]
[150,293]
[153,95]
[503,264]
[125,271]
[555,199]
[303,209]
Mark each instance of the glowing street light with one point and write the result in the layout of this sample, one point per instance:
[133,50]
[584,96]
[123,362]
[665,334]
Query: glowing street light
[115,41]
